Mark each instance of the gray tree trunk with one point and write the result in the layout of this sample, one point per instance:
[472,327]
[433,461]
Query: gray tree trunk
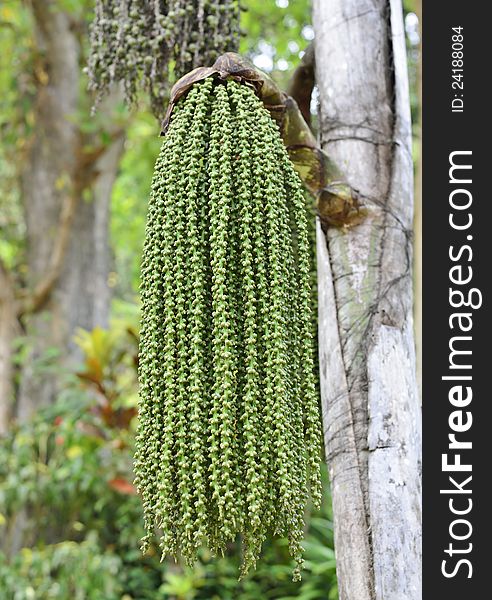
[370,398]
[66,193]
[8,330]
[417,223]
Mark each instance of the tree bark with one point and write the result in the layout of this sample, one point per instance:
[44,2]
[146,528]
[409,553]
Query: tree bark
[369,389]
[66,187]
[417,222]
[8,331]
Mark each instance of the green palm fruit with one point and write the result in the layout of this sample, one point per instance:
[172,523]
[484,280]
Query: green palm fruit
[148,43]
[228,441]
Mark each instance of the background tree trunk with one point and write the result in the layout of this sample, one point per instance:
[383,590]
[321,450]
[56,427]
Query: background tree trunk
[9,328]
[66,187]
[417,223]
[367,356]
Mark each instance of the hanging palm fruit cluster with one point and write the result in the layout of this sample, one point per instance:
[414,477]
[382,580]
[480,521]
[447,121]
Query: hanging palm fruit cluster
[139,41]
[228,441]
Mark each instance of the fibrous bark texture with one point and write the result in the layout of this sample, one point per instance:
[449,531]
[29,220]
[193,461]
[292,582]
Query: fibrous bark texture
[367,356]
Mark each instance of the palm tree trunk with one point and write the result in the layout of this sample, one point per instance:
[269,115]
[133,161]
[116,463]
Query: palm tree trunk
[369,388]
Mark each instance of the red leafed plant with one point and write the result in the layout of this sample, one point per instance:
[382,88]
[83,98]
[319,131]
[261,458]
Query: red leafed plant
[108,354]
[123,486]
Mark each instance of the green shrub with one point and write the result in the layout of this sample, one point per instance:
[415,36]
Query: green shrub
[67,476]
[67,571]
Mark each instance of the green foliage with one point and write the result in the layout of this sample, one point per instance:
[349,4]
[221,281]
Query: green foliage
[145,42]
[130,197]
[67,477]
[65,570]
[110,358]
[229,435]
[59,471]
[276,33]
[17,87]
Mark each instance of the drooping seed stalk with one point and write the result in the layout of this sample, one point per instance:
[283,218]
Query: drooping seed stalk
[148,43]
[229,434]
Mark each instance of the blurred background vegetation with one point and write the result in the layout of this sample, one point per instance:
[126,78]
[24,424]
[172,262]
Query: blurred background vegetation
[70,521]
